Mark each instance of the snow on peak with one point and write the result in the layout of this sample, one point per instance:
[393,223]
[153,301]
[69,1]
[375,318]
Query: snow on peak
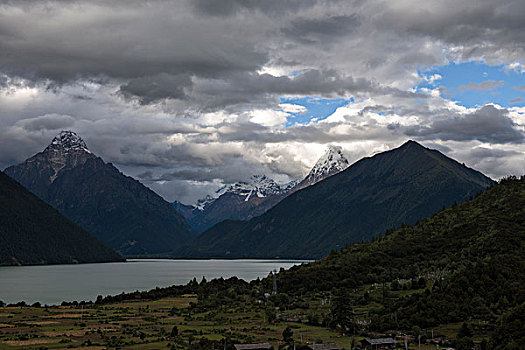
[259,186]
[69,141]
[202,203]
[330,163]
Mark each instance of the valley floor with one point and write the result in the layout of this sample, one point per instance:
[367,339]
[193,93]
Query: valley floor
[136,324]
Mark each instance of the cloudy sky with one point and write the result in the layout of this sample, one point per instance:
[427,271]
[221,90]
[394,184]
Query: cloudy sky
[189,95]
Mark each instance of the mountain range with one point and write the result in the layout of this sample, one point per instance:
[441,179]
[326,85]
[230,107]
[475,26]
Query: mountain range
[249,199]
[334,205]
[375,194]
[32,232]
[113,207]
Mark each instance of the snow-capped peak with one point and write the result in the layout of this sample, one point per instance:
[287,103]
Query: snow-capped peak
[330,163]
[257,186]
[69,141]
[202,203]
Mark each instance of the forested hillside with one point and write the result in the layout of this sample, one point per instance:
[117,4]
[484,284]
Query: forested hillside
[470,257]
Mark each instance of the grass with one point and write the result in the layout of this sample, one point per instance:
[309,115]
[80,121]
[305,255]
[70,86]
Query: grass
[143,325]
[148,325]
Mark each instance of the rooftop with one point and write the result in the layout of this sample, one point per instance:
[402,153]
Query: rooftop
[380,341]
[252,346]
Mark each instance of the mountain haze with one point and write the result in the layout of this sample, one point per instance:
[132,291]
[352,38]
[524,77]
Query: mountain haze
[372,195]
[32,232]
[115,208]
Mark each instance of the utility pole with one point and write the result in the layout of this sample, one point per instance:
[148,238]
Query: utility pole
[274,291]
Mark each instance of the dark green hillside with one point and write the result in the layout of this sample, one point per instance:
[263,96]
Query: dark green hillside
[32,232]
[374,194]
[509,333]
[470,256]
[491,224]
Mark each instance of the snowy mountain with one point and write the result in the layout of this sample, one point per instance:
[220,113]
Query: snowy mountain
[113,207]
[331,162]
[67,150]
[68,141]
[247,199]
[239,201]
[259,186]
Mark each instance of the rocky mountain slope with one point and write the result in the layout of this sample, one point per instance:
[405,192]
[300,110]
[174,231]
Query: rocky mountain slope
[32,232]
[246,200]
[333,161]
[115,208]
[374,194]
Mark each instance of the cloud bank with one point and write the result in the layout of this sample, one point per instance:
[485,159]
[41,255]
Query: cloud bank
[188,96]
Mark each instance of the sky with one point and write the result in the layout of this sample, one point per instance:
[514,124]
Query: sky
[187,96]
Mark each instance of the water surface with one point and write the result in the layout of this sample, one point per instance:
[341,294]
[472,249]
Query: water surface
[52,284]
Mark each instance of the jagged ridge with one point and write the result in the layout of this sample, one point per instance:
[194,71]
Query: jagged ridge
[113,207]
[247,199]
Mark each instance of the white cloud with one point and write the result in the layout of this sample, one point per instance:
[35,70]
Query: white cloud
[268,117]
[194,91]
[292,108]
[516,67]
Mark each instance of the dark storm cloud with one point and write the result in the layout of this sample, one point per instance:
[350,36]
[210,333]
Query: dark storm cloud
[312,31]
[247,88]
[203,154]
[253,89]
[226,174]
[195,69]
[483,152]
[151,89]
[118,40]
[488,124]
[480,26]
[232,7]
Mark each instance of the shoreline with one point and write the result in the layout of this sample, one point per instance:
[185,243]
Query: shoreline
[54,284]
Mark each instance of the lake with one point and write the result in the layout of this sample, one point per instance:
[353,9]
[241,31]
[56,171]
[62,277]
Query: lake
[52,284]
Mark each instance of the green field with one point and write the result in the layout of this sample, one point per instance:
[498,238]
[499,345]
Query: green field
[139,324]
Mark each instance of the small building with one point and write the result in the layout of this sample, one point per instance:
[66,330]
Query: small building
[379,343]
[327,346]
[257,346]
